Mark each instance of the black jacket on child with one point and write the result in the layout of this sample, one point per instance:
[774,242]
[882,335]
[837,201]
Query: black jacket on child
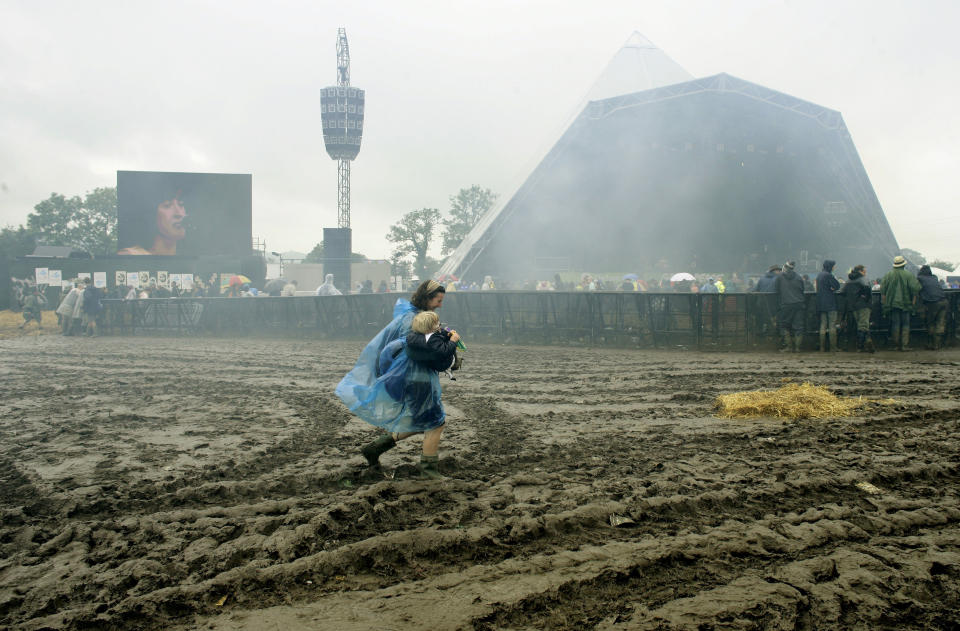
[435,352]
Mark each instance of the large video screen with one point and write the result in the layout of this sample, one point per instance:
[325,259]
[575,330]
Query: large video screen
[183,214]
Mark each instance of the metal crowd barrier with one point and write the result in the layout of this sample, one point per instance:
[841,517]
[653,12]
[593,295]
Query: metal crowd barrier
[730,321]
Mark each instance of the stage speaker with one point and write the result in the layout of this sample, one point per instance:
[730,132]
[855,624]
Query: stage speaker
[254,267]
[337,244]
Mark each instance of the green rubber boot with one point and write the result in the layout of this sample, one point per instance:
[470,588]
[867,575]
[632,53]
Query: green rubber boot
[374,450]
[428,468]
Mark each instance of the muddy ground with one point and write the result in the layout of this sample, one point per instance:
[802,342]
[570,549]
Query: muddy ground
[157,483]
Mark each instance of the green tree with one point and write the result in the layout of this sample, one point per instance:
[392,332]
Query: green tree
[88,224]
[412,236]
[96,225]
[466,208]
[18,241]
[943,265]
[51,219]
[315,255]
[399,266]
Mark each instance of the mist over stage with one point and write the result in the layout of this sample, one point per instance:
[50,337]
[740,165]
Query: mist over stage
[711,175]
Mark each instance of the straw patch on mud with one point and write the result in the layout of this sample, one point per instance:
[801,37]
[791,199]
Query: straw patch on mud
[793,400]
[10,322]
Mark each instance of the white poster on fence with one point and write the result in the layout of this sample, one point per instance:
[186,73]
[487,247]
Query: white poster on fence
[144,279]
[42,274]
[55,277]
[100,279]
[120,277]
[163,280]
[133,278]
[187,280]
[66,285]
[83,276]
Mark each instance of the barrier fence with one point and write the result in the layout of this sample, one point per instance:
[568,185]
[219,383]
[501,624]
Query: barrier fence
[731,321]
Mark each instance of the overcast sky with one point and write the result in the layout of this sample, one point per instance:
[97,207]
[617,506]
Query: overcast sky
[458,93]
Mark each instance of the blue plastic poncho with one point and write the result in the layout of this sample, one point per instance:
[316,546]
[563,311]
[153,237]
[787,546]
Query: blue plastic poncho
[388,390]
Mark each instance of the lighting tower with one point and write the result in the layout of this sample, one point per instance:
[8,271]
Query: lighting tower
[341,111]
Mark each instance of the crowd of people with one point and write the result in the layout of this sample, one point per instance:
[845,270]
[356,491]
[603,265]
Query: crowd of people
[902,296]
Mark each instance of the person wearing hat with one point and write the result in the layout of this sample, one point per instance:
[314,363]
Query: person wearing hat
[898,295]
[857,301]
[789,289]
[710,287]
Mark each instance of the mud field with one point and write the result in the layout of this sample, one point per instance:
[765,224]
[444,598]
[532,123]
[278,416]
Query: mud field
[214,484]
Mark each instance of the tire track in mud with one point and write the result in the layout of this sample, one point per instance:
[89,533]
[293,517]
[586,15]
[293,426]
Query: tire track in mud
[752,521]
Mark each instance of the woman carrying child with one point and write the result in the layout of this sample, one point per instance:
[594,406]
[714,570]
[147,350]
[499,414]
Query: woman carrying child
[388,389]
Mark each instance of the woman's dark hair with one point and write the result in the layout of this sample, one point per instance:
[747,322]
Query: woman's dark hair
[925,271]
[425,292]
[138,225]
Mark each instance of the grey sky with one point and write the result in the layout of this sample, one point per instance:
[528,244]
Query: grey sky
[458,93]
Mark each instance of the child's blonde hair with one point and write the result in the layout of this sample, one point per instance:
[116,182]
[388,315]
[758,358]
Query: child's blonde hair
[425,322]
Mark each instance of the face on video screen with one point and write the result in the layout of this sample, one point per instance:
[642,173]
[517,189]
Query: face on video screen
[186,214]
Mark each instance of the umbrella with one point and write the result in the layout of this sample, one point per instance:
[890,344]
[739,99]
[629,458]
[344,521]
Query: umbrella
[630,277]
[277,284]
[681,276]
[239,279]
[446,278]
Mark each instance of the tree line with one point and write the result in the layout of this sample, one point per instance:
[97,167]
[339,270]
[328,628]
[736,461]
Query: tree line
[415,233]
[87,223]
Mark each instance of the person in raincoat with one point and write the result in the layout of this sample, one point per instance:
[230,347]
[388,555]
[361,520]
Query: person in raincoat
[66,309]
[376,388]
[898,294]
[327,288]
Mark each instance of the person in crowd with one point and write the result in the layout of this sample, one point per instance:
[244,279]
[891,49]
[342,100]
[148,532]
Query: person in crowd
[366,287]
[718,283]
[33,305]
[734,285]
[765,283]
[766,307]
[710,287]
[327,288]
[91,308]
[174,290]
[898,293]
[67,306]
[857,297]
[807,283]
[934,302]
[558,283]
[827,286]
[249,291]
[370,390]
[290,289]
[131,293]
[487,283]
[789,289]
[160,226]
[382,287]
